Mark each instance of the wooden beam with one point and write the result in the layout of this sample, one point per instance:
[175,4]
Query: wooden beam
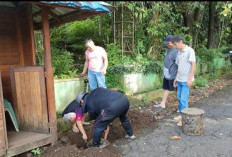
[71,17]
[49,76]
[56,17]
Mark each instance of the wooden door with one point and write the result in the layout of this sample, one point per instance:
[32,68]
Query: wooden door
[3,137]
[29,95]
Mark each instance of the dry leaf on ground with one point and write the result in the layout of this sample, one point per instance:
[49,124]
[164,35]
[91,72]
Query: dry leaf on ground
[175,138]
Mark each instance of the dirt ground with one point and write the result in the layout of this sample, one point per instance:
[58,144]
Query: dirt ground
[71,144]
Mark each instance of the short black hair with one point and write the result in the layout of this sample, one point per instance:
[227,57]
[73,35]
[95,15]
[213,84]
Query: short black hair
[178,38]
[88,40]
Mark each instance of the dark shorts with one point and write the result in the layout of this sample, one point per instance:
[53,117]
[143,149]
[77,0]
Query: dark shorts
[168,85]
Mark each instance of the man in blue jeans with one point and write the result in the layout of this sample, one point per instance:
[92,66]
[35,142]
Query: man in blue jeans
[96,62]
[186,62]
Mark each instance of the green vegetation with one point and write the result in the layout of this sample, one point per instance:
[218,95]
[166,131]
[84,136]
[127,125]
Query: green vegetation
[201,82]
[37,151]
[205,25]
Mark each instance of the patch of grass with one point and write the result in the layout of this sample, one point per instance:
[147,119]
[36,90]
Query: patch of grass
[201,82]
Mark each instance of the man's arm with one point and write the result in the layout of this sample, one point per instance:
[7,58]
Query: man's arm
[85,67]
[82,130]
[193,68]
[105,64]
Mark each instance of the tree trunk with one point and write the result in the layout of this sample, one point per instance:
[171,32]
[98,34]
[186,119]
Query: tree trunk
[188,22]
[198,17]
[211,25]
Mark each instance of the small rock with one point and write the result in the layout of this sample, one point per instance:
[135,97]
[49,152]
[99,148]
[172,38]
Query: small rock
[29,155]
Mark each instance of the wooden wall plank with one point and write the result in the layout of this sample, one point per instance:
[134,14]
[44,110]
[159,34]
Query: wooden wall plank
[29,90]
[28,35]
[3,135]
[11,52]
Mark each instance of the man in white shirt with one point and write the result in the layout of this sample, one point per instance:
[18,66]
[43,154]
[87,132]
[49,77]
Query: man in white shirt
[186,62]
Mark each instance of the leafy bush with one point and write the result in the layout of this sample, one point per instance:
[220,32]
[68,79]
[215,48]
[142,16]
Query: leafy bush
[139,64]
[201,81]
[207,55]
[153,67]
[113,54]
[62,61]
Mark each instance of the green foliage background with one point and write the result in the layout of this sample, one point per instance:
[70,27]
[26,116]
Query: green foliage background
[153,22]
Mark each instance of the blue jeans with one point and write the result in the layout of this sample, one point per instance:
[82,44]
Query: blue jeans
[96,79]
[182,95]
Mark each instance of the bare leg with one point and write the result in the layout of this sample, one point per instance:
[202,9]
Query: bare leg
[164,98]
[106,132]
[72,121]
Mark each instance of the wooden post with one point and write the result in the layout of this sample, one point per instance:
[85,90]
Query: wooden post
[49,75]
[192,121]
[3,133]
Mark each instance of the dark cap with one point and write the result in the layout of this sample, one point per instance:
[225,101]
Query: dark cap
[79,97]
[168,39]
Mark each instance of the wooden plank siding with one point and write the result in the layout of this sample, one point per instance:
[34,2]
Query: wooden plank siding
[10,51]
[3,136]
[27,35]
[29,95]
[17,45]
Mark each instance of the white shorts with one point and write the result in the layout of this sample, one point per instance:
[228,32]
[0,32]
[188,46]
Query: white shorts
[67,116]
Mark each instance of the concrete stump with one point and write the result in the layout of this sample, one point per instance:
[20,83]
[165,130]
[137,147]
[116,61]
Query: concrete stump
[192,121]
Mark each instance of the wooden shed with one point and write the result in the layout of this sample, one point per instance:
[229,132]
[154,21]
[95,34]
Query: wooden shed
[28,87]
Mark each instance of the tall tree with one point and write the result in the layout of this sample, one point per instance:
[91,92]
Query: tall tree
[198,17]
[211,25]
[192,13]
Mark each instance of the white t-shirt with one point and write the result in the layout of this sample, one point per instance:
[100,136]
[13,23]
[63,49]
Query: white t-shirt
[183,60]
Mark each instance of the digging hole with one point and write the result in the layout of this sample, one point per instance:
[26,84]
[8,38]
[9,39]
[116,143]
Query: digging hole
[71,144]
[139,121]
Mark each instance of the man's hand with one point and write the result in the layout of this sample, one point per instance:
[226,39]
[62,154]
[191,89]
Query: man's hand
[104,72]
[189,82]
[175,83]
[83,74]
[85,138]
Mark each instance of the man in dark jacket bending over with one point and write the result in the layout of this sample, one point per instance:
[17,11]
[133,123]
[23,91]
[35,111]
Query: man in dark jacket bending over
[103,106]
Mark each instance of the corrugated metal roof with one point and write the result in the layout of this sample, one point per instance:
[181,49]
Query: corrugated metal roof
[63,11]
[84,5]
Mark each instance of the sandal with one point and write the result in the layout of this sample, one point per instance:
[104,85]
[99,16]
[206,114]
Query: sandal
[179,123]
[159,106]
[178,118]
